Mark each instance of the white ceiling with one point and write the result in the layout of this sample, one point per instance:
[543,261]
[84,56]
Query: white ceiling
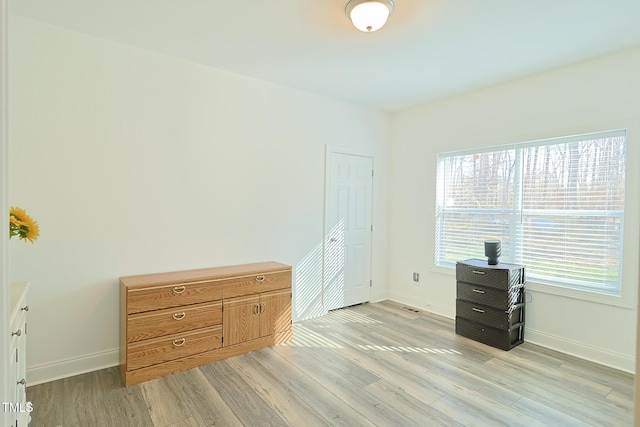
[429,49]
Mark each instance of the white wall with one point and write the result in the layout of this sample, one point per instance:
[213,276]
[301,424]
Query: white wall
[136,163]
[597,95]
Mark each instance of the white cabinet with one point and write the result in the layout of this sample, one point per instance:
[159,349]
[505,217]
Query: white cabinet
[18,406]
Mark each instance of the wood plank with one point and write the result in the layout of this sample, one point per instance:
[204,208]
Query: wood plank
[90,400]
[394,330]
[245,403]
[83,400]
[43,412]
[276,365]
[440,373]
[390,368]
[474,411]
[565,399]
[122,407]
[410,406]
[340,365]
[164,403]
[189,422]
[330,407]
[205,403]
[275,392]
[546,415]
[344,388]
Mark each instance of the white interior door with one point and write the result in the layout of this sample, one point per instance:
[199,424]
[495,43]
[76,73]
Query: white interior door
[347,262]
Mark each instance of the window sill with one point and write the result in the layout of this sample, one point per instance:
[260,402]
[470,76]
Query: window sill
[611,300]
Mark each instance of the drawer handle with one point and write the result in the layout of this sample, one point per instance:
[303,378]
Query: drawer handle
[478,272]
[179,289]
[180,342]
[260,278]
[478,291]
[16,333]
[179,316]
[256,309]
[262,307]
[478,310]
[25,308]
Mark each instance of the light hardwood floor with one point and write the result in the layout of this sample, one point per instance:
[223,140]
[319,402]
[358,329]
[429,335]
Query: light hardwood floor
[379,364]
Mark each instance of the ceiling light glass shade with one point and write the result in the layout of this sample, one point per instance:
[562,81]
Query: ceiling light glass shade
[369,15]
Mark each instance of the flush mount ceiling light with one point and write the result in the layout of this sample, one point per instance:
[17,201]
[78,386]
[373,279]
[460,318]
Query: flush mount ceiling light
[369,15]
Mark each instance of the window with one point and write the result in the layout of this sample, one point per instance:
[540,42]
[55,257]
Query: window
[557,206]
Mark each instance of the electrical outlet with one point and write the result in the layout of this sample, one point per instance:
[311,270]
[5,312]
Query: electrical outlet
[416,277]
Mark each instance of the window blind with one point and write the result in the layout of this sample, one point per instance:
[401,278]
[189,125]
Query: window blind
[557,205]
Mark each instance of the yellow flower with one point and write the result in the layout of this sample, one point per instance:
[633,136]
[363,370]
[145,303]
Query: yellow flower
[22,225]
[13,221]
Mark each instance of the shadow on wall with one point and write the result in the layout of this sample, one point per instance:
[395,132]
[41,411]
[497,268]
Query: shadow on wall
[309,299]
[334,268]
[307,292]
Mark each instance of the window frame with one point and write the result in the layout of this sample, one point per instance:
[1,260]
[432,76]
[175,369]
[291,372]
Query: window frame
[558,286]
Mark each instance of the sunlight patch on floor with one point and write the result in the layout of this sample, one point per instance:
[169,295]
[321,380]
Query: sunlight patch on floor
[345,315]
[305,337]
[407,349]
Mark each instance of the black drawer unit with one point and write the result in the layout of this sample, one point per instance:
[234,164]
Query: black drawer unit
[490,303]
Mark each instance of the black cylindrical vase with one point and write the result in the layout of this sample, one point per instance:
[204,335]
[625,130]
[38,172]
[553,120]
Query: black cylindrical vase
[492,251]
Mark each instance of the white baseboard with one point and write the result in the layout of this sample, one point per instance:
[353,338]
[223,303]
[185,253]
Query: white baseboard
[70,367]
[598,355]
[412,301]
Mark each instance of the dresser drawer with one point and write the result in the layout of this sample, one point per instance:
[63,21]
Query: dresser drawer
[159,350]
[504,339]
[492,297]
[500,319]
[140,299]
[151,324]
[502,276]
[256,283]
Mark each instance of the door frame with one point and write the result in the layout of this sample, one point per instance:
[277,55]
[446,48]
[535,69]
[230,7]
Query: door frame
[6,389]
[331,149]
[5,359]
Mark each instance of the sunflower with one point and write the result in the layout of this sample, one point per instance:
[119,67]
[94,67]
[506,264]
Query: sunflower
[22,225]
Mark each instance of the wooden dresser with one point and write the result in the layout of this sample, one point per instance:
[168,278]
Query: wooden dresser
[170,322]
[490,302]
